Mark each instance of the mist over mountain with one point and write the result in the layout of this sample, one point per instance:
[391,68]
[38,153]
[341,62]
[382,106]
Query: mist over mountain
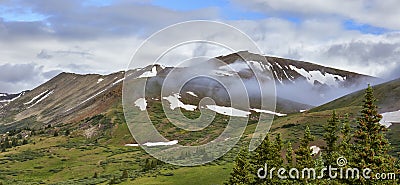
[71,97]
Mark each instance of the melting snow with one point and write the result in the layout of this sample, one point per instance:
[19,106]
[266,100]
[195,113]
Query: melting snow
[93,96]
[175,102]
[192,93]
[268,112]
[141,103]
[99,80]
[388,118]
[1,94]
[42,98]
[311,76]
[223,73]
[315,150]
[229,111]
[168,143]
[8,101]
[36,97]
[151,73]
[116,82]
[278,65]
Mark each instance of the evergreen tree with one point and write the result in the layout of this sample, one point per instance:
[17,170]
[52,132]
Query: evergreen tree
[267,153]
[331,137]
[345,130]
[289,155]
[242,169]
[371,146]
[303,153]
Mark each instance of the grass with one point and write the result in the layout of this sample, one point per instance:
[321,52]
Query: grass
[75,159]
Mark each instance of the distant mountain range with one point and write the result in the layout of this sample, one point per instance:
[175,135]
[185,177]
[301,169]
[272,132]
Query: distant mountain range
[72,97]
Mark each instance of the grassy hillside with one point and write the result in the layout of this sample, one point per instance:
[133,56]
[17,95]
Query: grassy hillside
[94,153]
[387,94]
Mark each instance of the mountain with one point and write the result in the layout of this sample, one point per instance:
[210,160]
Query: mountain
[6,98]
[387,94]
[287,71]
[69,98]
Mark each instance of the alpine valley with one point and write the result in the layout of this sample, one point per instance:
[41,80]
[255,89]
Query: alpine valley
[72,130]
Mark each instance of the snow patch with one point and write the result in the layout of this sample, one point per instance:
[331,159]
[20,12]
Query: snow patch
[151,73]
[99,80]
[315,150]
[268,112]
[167,143]
[8,101]
[388,118]
[192,93]
[141,103]
[42,98]
[175,102]
[302,111]
[229,111]
[36,97]
[1,94]
[116,82]
[311,76]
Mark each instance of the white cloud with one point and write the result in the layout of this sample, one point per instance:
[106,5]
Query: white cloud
[373,12]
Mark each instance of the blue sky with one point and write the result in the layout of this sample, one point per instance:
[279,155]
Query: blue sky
[227,11]
[45,37]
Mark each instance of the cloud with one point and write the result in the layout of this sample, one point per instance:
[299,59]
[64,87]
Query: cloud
[326,42]
[44,54]
[14,77]
[374,12]
[78,37]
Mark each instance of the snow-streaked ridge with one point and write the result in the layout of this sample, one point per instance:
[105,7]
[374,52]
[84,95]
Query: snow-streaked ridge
[42,98]
[151,73]
[36,97]
[312,76]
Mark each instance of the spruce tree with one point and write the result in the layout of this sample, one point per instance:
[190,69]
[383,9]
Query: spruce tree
[242,171]
[303,153]
[346,133]
[267,153]
[371,146]
[331,137]
[289,155]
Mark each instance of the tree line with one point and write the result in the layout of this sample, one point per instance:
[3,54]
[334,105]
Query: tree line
[345,150]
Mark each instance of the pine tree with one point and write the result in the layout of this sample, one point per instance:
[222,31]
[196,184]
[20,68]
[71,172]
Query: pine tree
[345,130]
[241,173]
[331,137]
[303,153]
[268,153]
[289,155]
[371,146]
